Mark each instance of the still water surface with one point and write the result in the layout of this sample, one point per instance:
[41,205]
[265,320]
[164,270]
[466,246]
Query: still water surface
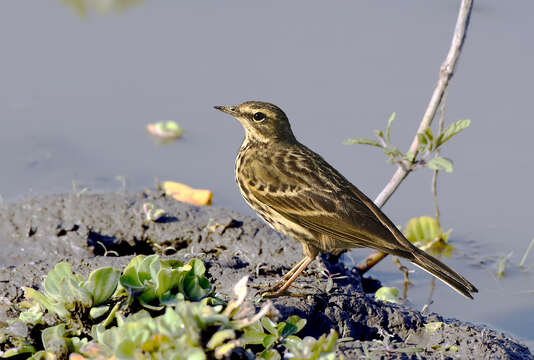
[76,92]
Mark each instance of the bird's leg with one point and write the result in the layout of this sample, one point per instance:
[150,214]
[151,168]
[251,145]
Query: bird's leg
[284,278]
[288,274]
[295,272]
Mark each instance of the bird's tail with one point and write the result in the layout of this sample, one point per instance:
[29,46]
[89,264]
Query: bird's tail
[444,273]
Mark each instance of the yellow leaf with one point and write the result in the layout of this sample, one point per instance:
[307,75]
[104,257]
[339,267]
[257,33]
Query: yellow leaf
[184,193]
[426,233]
[433,326]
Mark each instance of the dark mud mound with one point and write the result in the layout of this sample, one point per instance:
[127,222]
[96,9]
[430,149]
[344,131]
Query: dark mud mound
[38,232]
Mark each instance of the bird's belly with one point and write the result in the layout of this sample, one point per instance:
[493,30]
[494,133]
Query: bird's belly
[274,219]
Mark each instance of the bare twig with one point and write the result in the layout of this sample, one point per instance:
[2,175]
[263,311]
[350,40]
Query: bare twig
[441,126]
[446,72]
[406,272]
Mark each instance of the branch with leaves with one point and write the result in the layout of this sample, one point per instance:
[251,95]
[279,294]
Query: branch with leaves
[427,151]
[405,165]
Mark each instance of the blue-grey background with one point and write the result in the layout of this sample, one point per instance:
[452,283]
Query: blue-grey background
[77,92]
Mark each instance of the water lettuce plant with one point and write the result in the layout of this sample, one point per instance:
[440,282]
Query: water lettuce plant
[153,308]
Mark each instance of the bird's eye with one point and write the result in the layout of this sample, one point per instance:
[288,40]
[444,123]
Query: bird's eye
[259,116]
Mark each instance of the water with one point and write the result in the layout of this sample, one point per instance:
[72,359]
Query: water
[76,95]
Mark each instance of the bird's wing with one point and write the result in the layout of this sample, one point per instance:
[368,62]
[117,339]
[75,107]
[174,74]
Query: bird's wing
[328,205]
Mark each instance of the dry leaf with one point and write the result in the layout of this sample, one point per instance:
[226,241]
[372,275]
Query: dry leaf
[184,193]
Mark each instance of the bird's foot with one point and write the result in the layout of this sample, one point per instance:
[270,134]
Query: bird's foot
[272,289]
[269,293]
[277,290]
[275,294]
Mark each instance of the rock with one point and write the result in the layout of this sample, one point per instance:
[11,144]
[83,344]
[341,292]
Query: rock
[38,232]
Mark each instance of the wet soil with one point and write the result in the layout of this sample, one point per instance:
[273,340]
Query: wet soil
[88,230]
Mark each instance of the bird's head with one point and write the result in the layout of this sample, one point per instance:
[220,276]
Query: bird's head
[262,121]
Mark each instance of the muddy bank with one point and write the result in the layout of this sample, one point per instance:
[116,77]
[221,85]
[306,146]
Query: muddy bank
[38,232]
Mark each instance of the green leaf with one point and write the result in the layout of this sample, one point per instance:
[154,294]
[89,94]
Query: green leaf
[220,337]
[224,349]
[270,354]
[44,301]
[292,340]
[198,267]
[130,278]
[388,129]
[54,340]
[388,294]
[297,321]
[171,263]
[147,296]
[330,344]
[252,337]
[165,281]
[451,130]
[269,340]
[422,230]
[422,138]
[502,264]
[426,233]
[392,151]
[77,294]
[429,137]
[288,329]
[98,311]
[525,255]
[379,133]
[54,281]
[194,287]
[363,141]
[148,268]
[32,316]
[292,326]
[25,348]
[440,163]
[269,325]
[102,284]
[78,343]
[195,354]
[126,349]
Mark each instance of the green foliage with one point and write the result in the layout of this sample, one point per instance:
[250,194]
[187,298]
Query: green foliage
[310,348]
[440,163]
[451,130]
[502,264]
[151,213]
[427,149]
[525,255]
[67,296]
[156,283]
[97,318]
[388,294]
[178,333]
[426,233]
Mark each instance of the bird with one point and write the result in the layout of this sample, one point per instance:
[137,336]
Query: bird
[300,195]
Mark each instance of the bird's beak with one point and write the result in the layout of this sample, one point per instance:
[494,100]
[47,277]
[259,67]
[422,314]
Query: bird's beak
[230,110]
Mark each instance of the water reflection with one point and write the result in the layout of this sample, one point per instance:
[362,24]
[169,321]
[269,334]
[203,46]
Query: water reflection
[103,7]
